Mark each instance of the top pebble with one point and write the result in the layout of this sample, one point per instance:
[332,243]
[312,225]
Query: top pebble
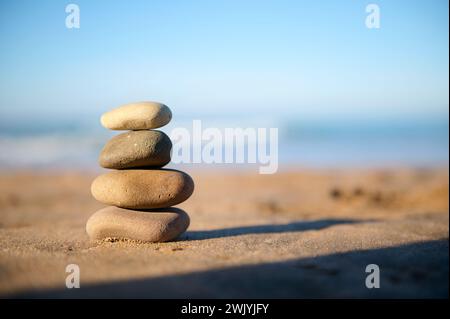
[137,116]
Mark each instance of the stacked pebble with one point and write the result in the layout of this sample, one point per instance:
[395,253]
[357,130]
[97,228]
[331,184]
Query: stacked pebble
[139,190]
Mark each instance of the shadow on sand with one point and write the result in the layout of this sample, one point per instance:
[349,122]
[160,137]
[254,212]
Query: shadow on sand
[267,229]
[418,270]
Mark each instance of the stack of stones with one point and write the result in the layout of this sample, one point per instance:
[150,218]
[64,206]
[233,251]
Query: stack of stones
[139,191]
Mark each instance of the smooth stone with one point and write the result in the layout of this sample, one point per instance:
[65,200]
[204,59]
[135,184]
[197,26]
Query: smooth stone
[136,149]
[155,226]
[137,116]
[142,188]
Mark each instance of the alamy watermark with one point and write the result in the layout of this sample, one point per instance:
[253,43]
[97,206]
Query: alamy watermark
[227,146]
[230,145]
[73,16]
[73,279]
[373,17]
[373,279]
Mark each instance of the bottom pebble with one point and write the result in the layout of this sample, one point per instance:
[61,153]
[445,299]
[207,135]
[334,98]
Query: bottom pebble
[160,225]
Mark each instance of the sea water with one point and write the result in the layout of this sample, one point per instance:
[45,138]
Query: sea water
[75,143]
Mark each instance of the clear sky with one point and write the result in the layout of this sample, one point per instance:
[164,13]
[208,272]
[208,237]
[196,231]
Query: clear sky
[295,58]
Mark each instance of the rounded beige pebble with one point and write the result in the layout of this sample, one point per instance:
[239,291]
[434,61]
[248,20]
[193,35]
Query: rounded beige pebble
[143,188]
[136,149]
[147,226]
[137,116]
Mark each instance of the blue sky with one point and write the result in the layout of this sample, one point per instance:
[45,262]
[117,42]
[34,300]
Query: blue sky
[305,59]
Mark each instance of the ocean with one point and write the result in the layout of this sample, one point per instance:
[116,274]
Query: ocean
[75,143]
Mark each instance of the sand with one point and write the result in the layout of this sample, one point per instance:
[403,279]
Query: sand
[296,234]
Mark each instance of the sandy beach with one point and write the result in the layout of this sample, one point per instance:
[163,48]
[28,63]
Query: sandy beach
[295,234]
